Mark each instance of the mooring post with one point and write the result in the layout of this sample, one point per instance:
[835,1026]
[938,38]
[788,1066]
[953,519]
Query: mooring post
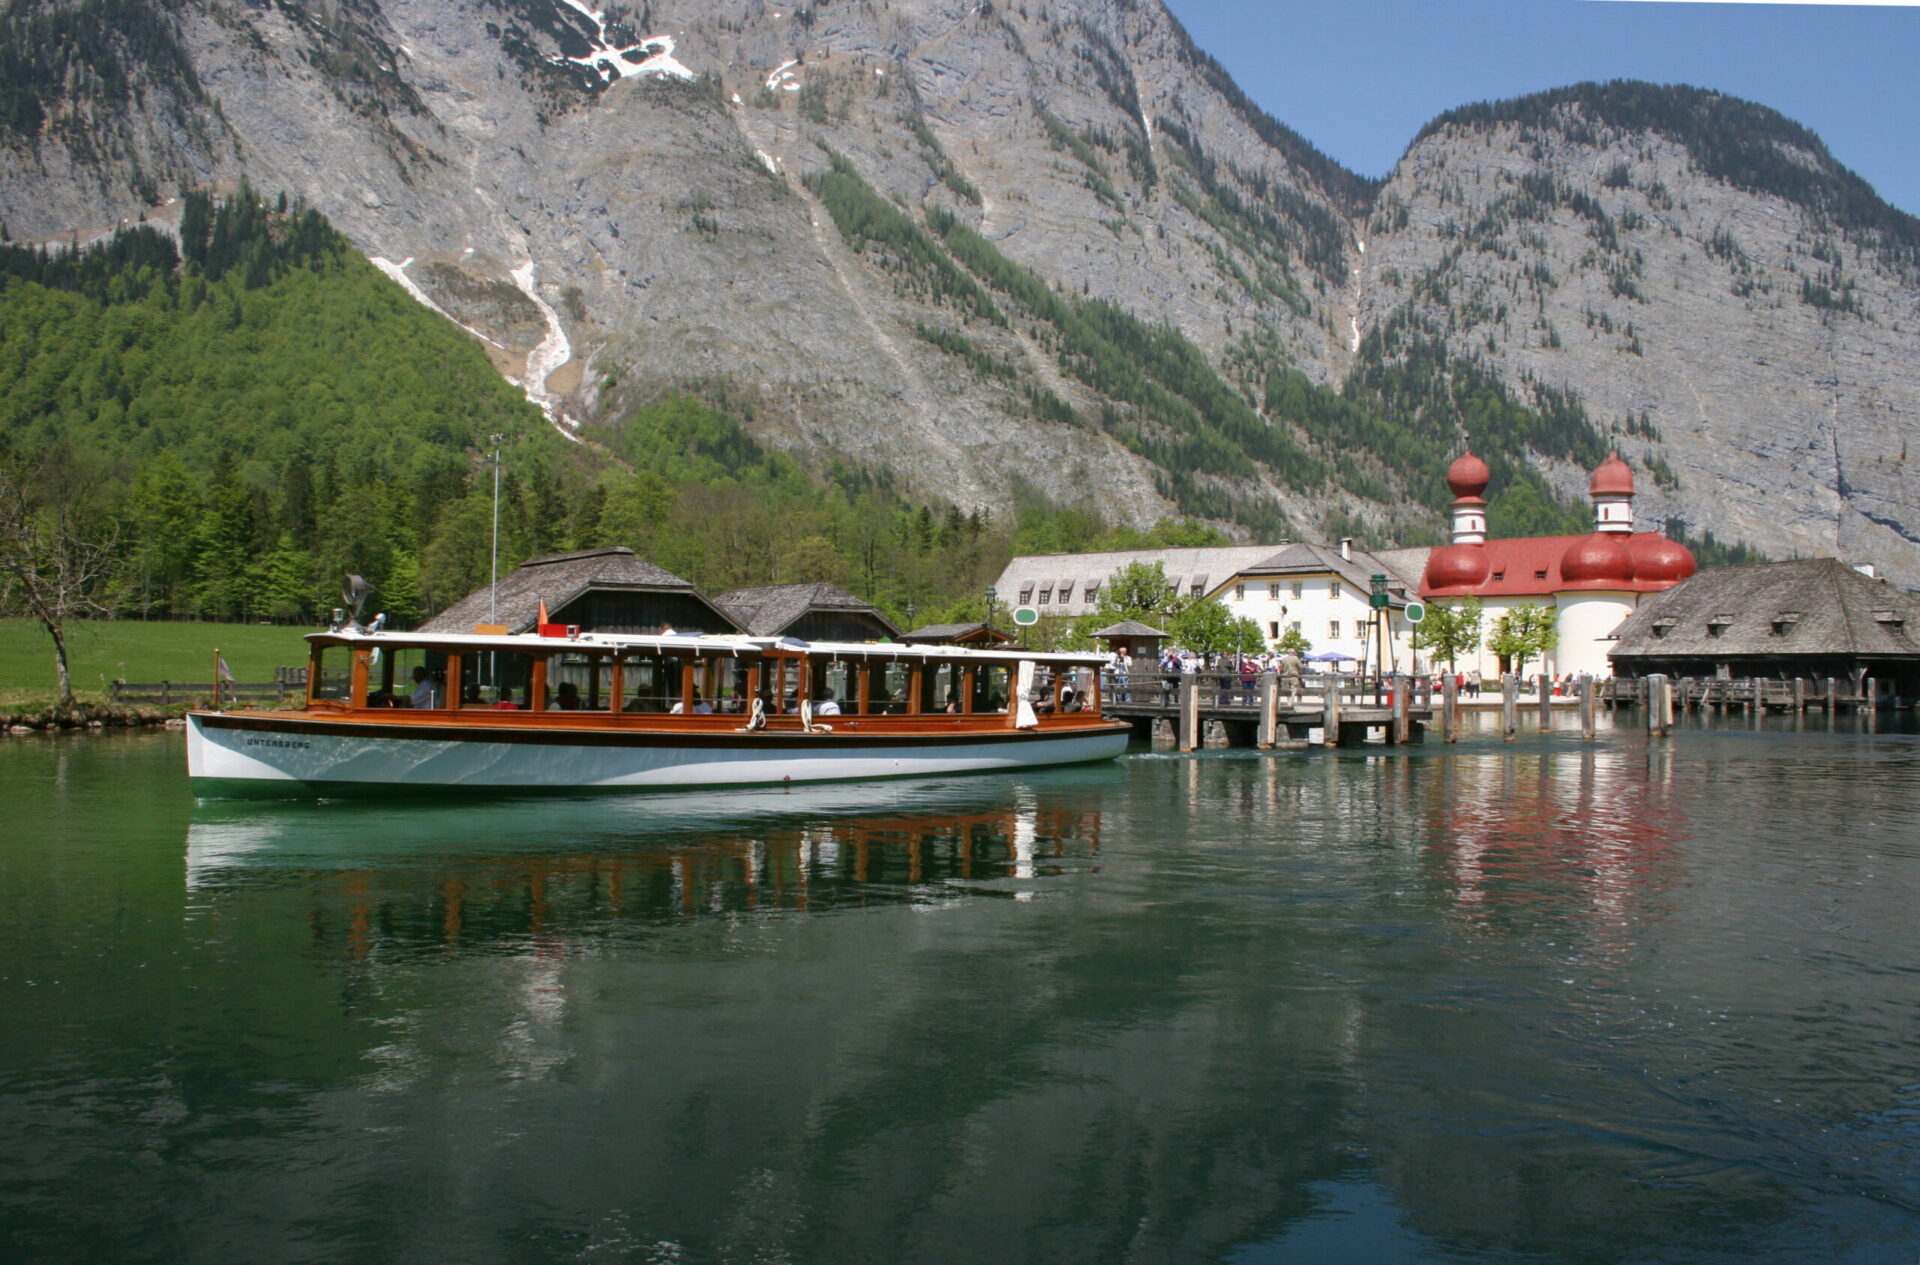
[1269,731]
[1330,714]
[1509,702]
[1586,706]
[1450,707]
[1546,701]
[1660,704]
[1833,695]
[1799,694]
[1189,739]
[1402,709]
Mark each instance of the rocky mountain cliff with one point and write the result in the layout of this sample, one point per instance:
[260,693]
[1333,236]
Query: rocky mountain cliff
[980,246]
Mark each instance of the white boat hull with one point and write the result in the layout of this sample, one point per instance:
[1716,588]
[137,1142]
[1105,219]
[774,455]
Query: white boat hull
[253,755]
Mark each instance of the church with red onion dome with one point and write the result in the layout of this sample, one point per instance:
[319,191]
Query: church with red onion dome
[1592,582]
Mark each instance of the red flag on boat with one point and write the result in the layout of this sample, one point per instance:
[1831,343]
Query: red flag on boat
[543,611]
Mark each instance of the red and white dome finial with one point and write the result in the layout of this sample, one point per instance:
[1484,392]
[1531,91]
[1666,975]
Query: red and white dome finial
[1468,475]
[1612,491]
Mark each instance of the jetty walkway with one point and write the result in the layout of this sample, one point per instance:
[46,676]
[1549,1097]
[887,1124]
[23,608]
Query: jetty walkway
[1267,711]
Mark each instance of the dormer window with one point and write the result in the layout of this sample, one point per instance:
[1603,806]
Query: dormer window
[1091,593]
[1046,596]
[1541,574]
[1663,625]
[1717,624]
[1499,575]
[1891,620]
[1066,591]
[1026,594]
[1784,622]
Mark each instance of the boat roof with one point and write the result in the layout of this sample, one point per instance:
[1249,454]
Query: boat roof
[724,644]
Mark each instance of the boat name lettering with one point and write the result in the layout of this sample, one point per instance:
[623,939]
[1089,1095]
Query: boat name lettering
[277,742]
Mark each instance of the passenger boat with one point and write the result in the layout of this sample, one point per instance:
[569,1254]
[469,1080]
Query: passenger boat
[561,710]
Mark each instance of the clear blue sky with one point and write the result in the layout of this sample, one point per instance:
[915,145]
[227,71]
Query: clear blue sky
[1358,80]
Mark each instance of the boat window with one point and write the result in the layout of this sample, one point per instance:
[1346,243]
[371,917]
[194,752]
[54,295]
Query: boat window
[580,682]
[721,683]
[497,678]
[887,688]
[406,676]
[833,680]
[940,686]
[990,688]
[334,680]
[652,682]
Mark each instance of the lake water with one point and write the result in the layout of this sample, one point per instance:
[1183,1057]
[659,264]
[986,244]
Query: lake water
[1635,1001]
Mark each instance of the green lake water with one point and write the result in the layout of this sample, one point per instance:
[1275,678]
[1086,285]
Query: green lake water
[1632,1000]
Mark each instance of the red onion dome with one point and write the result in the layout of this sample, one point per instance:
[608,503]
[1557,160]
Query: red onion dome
[1456,567]
[1468,476]
[1613,478]
[1657,560]
[1601,558]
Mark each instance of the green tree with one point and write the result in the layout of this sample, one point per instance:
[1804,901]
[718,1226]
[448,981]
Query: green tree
[1139,591]
[1525,632]
[282,583]
[1449,631]
[402,600]
[1207,627]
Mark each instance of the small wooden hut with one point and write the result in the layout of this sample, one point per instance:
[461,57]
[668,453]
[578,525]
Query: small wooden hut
[814,611]
[600,590]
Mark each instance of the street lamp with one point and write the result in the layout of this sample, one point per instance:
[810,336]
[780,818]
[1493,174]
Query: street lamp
[991,594]
[493,581]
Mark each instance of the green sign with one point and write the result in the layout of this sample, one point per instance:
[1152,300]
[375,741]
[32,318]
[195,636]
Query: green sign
[1025,616]
[1379,598]
[1416,611]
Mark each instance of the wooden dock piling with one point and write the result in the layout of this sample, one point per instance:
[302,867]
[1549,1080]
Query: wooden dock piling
[1188,738]
[1545,683]
[1330,715]
[1450,708]
[1586,706]
[1269,730]
[1509,701]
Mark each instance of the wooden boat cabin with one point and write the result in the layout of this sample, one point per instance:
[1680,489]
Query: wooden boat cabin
[623,680]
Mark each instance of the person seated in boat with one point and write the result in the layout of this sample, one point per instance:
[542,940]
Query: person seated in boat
[701,707]
[953,704]
[426,690]
[1069,701]
[506,703]
[567,699]
[824,704]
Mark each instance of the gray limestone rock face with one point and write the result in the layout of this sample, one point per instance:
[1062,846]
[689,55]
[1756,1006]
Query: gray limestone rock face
[606,204]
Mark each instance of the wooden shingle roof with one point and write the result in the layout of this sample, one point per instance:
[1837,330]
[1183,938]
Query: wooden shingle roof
[771,609]
[556,580]
[1817,606]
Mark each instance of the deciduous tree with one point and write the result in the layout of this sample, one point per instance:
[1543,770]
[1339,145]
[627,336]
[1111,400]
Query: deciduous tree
[55,560]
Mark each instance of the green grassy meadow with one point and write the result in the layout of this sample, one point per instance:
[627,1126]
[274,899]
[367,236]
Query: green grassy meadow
[99,651]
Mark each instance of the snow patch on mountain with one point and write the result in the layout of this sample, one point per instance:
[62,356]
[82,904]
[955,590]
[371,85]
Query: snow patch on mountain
[785,76]
[554,350]
[611,58]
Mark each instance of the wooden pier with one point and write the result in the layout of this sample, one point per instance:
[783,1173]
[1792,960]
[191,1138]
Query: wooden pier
[1267,711]
[1257,711]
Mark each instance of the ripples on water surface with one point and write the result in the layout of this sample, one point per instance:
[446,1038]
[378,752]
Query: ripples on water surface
[1541,1001]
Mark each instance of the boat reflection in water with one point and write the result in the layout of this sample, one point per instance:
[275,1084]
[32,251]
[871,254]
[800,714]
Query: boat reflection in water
[558,867]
